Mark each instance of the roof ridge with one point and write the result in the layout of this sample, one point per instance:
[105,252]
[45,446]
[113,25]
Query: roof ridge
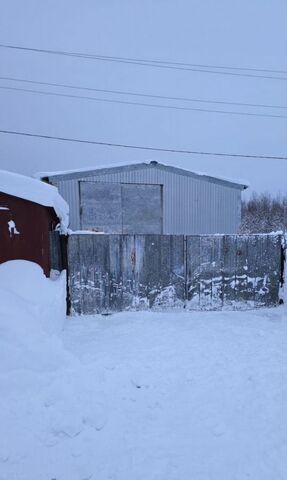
[144,164]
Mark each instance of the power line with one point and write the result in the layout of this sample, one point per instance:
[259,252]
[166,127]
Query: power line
[139,104]
[138,147]
[199,65]
[175,67]
[136,94]
[129,59]
[154,63]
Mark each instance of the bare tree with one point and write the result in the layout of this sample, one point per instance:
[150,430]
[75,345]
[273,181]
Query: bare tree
[263,213]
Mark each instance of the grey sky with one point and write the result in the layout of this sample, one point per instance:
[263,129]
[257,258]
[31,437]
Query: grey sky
[235,33]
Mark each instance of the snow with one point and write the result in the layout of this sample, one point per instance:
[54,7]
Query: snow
[138,395]
[48,174]
[35,191]
[244,183]
[31,307]
[12,228]
[84,232]
[40,175]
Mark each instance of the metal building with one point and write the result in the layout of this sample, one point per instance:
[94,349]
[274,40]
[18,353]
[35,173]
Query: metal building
[149,198]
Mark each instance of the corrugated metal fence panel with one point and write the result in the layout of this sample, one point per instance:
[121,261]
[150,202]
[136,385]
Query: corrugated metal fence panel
[237,271]
[88,274]
[190,205]
[159,271]
[201,272]
[116,272]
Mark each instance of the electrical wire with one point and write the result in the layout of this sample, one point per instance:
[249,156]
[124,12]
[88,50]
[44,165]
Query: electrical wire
[138,147]
[154,63]
[147,105]
[136,94]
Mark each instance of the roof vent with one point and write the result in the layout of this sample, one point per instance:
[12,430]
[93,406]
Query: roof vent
[153,162]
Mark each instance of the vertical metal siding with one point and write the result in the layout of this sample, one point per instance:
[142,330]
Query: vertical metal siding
[190,205]
[69,189]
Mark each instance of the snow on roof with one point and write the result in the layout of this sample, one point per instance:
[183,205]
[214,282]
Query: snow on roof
[137,164]
[40,175]
[35,191]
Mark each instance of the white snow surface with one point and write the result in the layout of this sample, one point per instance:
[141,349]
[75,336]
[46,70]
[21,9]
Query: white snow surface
[32,307]
[35,191]
[137,396]
[40,175]
[88,169]
[84,232]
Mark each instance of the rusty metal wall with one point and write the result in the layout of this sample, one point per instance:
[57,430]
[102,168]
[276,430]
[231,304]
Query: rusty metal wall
[192,204]
[24,231]
[110,273]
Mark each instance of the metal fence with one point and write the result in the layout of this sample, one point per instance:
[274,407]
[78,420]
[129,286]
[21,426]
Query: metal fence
[109,273]
[58,251]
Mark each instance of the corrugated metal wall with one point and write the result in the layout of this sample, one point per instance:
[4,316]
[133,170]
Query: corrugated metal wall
[191,205]
[108,273]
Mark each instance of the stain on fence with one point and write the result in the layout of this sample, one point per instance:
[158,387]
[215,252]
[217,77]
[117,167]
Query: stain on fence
[109,273]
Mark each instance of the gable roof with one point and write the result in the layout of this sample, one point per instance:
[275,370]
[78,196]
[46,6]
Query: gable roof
[35,191]
[119,167]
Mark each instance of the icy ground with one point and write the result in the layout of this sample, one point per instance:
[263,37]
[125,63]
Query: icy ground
[139,396]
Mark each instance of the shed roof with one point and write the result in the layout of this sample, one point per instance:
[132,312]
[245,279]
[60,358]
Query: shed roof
[35,191]
[118,167]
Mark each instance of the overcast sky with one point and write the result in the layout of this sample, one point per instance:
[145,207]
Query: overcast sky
[238,33]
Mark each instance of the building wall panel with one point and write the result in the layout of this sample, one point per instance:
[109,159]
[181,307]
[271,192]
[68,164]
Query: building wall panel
[191,205]
[24,231]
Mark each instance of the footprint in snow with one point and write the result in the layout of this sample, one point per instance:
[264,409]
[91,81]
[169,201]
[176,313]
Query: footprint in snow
[219,429]
[97,418]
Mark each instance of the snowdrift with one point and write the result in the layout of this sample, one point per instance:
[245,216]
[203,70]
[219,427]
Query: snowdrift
[32,312]
[143,395]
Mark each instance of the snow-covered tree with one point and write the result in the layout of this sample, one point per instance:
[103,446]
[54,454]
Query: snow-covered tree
[263,213]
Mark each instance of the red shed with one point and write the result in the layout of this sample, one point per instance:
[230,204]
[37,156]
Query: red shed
[29,211]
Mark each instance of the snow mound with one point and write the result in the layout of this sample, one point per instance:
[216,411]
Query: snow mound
[142,395]
[35,191]
[32,312]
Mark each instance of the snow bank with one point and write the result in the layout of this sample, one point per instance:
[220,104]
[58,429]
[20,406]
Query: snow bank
[35,191]
[32,311]
[32,359]
[144,396]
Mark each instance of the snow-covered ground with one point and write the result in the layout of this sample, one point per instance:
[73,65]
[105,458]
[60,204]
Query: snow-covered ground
[138,396]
